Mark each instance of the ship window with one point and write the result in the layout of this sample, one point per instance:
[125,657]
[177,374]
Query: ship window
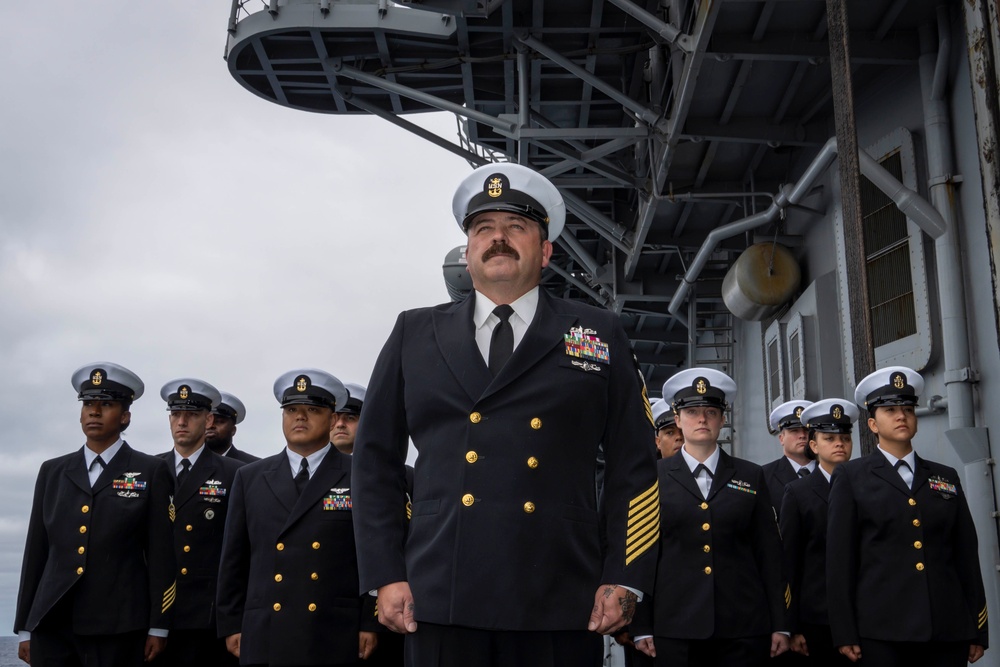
[774,369]
[887,249]
[796,361]
[774,366]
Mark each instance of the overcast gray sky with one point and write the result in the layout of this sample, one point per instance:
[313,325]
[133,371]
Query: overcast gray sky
[155,214]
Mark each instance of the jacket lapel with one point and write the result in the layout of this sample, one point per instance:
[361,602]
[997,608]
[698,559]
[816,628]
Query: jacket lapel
[677,467]
[881,468]
[115,469]
[77,472]
[202,470]
[819,486]
[921,474]
[455,334]
[330,472]
[724,472]
[279,479]
[545,332]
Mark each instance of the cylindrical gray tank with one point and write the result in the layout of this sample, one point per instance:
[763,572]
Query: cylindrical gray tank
[760,281]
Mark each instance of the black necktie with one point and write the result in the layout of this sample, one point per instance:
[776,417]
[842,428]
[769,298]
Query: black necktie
[701,466]
[903,468]
[502,342]
[93,464]
[185,470]
[302,478]
[803,471]
[697,472]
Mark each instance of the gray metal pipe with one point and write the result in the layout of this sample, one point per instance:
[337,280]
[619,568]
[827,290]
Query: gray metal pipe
[913,206]
[951,282]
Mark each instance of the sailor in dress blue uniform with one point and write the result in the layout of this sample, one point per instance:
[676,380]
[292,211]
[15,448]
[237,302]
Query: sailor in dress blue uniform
[903,578]
[794,462]
[803,528]
[97,582]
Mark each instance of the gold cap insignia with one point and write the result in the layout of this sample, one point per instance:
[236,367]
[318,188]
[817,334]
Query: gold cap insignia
[898,380]
[184,392]
[701,386]
[301,383]
[837,412]
[96,378]
[494,186]
[798,412]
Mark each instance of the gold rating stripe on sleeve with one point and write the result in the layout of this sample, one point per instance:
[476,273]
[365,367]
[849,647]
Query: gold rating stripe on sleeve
[983,616]
[643,526]
[168,597]
[788,596]
[647,406]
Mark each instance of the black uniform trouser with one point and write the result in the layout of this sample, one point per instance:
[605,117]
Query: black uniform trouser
[435,645]
[905,654]
[822,652]
[195,647]
[715,652]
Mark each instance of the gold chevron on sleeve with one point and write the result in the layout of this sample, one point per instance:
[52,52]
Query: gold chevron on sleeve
[409,510]
[168,597]
[983,616]
[788,596]
[643,527]
[645,404]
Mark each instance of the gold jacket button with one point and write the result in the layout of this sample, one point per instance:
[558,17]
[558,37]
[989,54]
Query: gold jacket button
[471,456]
[315,545]
[920,567]
[916,522]
[536,423]
[705,526]
[314,576]
[704,506]
[83,529]
[277,606]
[85,509]
[184,570]
[912,502]
[529,507]
[80,550]
[468,499]
[280,546]
[532,462]
[706,548]
[278,577]
[708,570]
[475,418]
[187,548]
[918,545]
[79,570]
[189,528]
[312,606]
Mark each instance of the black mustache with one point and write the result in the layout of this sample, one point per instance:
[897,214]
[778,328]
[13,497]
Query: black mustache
[500,248]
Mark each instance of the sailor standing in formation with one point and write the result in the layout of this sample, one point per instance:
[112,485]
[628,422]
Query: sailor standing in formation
[288,591]
[97,581]
[219,436]
[720,596]
[903,574]
[669,438]
[202,483]
[803,528]
[794,462]
[506,396]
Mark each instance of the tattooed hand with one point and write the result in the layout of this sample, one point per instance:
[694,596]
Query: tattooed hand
[614,607]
